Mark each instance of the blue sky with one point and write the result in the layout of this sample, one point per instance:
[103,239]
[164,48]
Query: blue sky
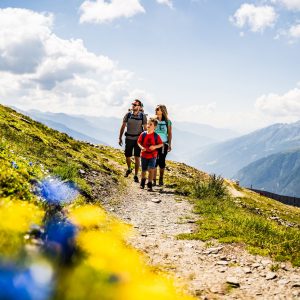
[232,64]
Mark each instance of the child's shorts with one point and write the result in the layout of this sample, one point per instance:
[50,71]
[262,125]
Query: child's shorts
[148,163]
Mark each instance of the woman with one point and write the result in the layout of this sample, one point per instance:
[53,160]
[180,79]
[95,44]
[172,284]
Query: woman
[164,130]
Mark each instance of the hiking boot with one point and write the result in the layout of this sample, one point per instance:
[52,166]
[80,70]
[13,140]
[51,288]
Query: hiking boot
[149,185]
[136,179]
[127,173]
[161,182]
[143,182]
[154,183]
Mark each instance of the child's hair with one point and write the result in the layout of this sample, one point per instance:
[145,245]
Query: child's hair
[153,120]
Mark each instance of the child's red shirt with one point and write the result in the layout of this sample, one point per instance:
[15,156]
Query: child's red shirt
[148,141]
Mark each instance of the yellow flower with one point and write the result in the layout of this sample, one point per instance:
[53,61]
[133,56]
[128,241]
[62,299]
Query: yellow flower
[16,215]
[88,216]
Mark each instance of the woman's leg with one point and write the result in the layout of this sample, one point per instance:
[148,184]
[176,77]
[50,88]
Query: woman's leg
[162,164]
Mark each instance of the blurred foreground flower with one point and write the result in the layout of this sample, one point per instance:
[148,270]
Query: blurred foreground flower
[31,283]
[55,191]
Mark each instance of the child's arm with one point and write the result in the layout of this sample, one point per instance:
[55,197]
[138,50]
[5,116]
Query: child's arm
[153,147]
[142,148]
[139,142]
[159,144]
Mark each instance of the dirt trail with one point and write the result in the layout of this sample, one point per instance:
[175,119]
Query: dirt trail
[207,270]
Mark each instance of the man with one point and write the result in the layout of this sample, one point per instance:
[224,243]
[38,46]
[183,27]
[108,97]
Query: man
[136,122]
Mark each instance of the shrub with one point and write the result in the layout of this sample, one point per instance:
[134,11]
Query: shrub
[67,171]
[215,187]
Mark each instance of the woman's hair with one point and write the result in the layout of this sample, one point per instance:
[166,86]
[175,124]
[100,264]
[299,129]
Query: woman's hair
[164,112]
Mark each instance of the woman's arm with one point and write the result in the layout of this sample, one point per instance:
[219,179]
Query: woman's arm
[169,138]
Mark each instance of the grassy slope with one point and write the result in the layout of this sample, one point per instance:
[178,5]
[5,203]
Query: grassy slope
[23,141]
[265,226]
[104,268]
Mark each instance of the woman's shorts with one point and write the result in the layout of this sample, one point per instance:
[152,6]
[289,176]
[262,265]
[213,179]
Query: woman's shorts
[148,163]
[161,156]
[131,146]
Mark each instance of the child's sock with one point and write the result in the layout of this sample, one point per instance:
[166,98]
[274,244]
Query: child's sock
[149,185]
[143,182]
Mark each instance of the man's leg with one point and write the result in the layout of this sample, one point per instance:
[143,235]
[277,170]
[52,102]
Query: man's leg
[137,161]
[128,153]
[128,162]
[137,165]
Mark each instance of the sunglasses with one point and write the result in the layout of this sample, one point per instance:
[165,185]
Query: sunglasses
[133,104]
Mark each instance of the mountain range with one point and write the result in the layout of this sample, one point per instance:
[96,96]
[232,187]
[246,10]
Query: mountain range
[265,159]
[278,173]
[228,157]
[105,130]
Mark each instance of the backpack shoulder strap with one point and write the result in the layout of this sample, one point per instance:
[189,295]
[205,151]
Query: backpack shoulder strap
[128,116]
[143,137]
[156,138]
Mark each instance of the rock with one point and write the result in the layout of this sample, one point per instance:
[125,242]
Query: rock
[213,250]
[155,200]
[222,263]
[271,275]
[265,262]
[296,284]
[296,293]
[256,265]
[222,270]
[81,171]
[283,281]
[233,281]
[247,270]
[191,221]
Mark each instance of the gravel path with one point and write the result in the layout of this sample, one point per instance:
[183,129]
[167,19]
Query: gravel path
[207,270]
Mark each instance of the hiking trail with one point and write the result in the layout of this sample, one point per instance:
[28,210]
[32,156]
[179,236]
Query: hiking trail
[207,270]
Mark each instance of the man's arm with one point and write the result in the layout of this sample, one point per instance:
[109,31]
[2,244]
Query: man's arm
[144,126]
[121,133]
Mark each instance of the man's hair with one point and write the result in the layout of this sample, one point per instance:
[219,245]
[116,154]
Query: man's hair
[153,120]
[139,101]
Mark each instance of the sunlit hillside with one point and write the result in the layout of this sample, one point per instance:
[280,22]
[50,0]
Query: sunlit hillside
[56,240]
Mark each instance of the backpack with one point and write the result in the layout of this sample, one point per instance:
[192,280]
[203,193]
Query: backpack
[139,117]
[144,135]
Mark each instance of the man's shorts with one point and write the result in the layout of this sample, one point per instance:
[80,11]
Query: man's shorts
[148,163]
[132,146]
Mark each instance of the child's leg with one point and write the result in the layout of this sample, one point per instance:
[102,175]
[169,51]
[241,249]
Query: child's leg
[144,170]
[151,168]
[150,174]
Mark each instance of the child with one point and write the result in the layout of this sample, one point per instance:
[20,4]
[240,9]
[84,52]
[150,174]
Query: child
[149,141]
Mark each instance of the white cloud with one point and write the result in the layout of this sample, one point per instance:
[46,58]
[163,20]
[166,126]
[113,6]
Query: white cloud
[289,4]
[285,106]
[165,2]
[258,18]
[42,71]
[294,31]
[101,11]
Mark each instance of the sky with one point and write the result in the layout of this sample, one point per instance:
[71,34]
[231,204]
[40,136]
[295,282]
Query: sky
[230,64]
